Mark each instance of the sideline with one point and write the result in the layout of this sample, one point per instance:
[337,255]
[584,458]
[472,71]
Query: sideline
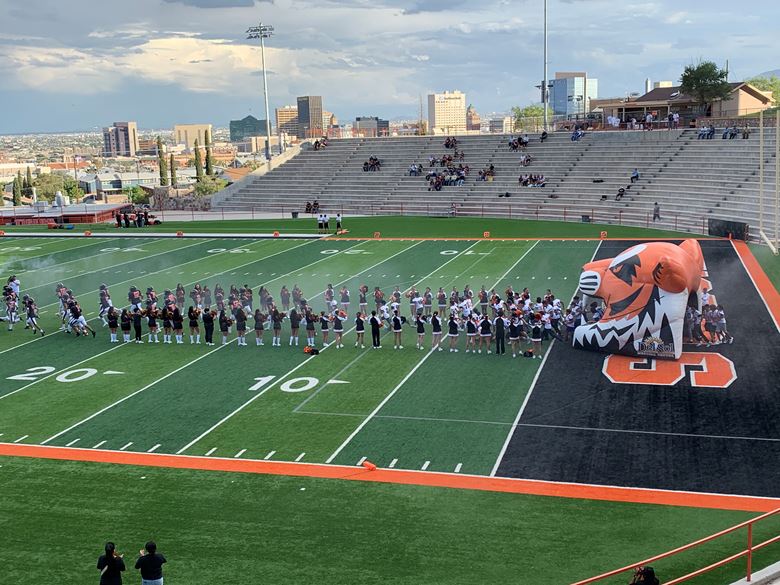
[398,476]
[764,286]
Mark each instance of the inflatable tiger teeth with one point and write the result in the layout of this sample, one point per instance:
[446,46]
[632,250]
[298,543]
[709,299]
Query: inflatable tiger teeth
[646,290]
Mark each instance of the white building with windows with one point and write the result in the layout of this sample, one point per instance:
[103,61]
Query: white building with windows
[447,113]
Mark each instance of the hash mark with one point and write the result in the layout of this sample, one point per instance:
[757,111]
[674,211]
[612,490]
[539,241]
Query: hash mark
[271,454]
[458,467]
[100,444]
[210,451]
[425,465]
[20,439]
[362,459]
[392,463]
[239,454]
[153,449]
[73,442]
[299,457]
[126,446]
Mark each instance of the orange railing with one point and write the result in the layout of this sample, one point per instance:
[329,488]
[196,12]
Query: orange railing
[747,552]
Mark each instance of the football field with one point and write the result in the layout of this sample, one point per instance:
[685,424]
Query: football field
[404,409]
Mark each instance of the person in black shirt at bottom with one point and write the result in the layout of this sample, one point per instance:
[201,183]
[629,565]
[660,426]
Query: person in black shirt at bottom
[110,566]
[376,324]
[150,562]
[137,326]
[499,323]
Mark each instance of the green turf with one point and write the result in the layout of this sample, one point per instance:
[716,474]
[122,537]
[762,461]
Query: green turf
[225,528]
[393,226]
[769,262]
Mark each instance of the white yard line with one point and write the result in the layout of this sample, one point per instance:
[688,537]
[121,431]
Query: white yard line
[20,439]
[126,446]
[239,454]
[299,457]
[121,400]
[210,452]
[153,449]
[511,268]
[530,391]
[100,444]
[361,461]
[425,466]
[393,463]
[57,372]
[73,442]
[458,467]
[379,407]
[270,454]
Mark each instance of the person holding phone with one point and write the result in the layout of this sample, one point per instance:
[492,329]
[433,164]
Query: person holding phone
[110,564]
[150,563]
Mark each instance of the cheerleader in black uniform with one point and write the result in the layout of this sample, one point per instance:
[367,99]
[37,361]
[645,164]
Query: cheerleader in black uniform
[276,321]
[167,324]
[329,294]
[241,317]
[224,326]
[376,327]
[192,314]
[208,326]
[453,333]
[325,326]
[338,327]
[485,334]
[125,322]
[152,315]
[178,325]
[113,323]
[436,335]
[360,330]
[295,325]
[311,327]
[259,327]
[137,314]
[396,324]
[536,336]
[344,294]
[419,320]
[471,334]
[363,299]
[514,334]
[499,324]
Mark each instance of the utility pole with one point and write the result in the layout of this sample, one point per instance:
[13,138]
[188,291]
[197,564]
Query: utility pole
[544,82]
[263,31]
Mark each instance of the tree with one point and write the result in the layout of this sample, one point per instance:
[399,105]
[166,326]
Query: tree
[18,190]
[198,163]
[174,181]
[531,116]
[162,164]
[71,188]
[771,83]
[28,182]
[705,83]
[209,165]
[208,186]
[137,195]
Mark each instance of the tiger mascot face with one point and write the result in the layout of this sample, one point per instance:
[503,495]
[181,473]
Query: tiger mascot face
[646,290]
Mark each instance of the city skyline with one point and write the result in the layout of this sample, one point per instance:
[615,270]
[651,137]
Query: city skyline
[162,62]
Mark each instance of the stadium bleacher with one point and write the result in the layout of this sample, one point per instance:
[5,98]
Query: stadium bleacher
[691,179]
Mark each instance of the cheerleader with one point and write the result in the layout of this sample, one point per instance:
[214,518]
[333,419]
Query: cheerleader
[219,297]
[379,298]
[241,317]
[249,296]
[514,334]
[427,301]
[436,331]
[276,322]
[485,334]
[11,311]
[569,321]
[295,324]
[311,328]
[536,336]
[32,316]
[180,296]
[104,302]
[152,315]
[419,320]
[192,314]
[360,329]
[151,298]
[177,321]
[395,296]
[167,324]
[376,327]
[453,333]
[499,324]
[125,323]
[206,298]
[134,298]
[441,300]
[137,315]
[471,335]
[208,326]
[413,296]
[484,299]
[113,323]
[344,294]
[338,327]
[329,295]
[297,296]
[363,299]
[396,324]
[325,327]
[284,297]
[259,319]
[224,326]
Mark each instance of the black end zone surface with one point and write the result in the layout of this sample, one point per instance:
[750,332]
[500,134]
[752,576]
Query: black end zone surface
[579,427]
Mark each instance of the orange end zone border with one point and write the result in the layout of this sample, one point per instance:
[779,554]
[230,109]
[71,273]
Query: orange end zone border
[764,286]
[399,476]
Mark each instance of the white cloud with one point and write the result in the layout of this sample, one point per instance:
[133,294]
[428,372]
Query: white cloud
[680,17]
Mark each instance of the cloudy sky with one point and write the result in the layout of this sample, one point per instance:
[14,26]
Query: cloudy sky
[84,63]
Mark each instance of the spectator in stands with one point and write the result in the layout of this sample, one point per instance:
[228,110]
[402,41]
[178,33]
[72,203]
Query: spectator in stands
[711,132]
[543,136]
[315,207]
[620,194]
[635,175]
[656,211]
[676,120]
[150,563]
[307,207]
[414,171]
[649,121]
[730,132]
[577,134]
[745,132]
[669,121]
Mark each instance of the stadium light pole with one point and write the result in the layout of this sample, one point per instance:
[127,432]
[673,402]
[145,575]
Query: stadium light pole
[544,83]
[263,31]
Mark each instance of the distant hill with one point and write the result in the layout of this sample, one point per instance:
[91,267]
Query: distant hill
[776,73]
